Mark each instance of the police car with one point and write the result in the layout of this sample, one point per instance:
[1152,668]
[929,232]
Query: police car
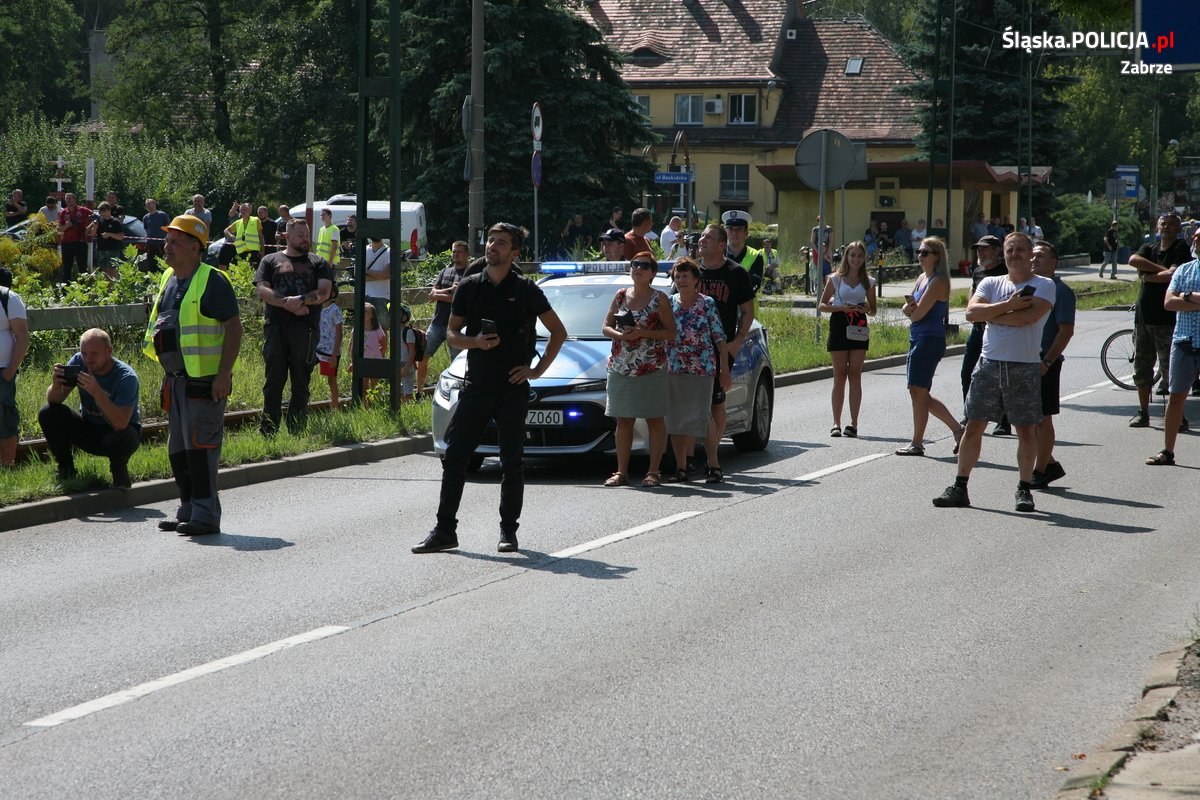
[566,405]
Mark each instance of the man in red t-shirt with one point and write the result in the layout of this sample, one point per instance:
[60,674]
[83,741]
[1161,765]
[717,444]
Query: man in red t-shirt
[635,240]
[73,223]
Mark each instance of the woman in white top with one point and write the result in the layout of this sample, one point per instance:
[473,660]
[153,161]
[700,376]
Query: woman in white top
[848,299]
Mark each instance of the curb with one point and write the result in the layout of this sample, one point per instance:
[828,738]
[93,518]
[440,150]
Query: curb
[84,504]
[1158,694]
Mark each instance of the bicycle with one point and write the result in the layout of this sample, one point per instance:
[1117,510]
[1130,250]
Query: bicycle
[1116,358]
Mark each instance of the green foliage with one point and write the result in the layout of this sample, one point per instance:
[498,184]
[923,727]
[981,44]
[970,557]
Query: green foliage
[1082,226]
[39,43]
[589,123]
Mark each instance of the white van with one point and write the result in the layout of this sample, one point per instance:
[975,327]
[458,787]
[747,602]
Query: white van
[341,206]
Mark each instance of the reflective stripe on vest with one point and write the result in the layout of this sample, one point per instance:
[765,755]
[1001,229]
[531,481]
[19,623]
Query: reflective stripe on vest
[201,338]
[247,237]
[325,242]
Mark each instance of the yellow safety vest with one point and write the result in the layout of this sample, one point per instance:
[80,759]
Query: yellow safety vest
[325,242]
[247,237]
[749,256]
[201,338]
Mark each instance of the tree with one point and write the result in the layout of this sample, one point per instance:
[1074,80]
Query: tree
[590,125]
[41,46]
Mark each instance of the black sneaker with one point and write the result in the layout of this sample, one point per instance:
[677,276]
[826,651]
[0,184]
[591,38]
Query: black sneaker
[1054,471]
[1024,500]
[120,477]
[1161,391]
[168,524]
[1184,425]
[197,528]
[1140,420]
[436,542]
[955,496]
[1002,429]
[508,543]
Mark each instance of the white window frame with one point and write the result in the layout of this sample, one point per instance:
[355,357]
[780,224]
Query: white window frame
[737,179]
[695,108]
[739,101]
[641,102]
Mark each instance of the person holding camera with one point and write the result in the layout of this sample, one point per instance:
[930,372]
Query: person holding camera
[108,423]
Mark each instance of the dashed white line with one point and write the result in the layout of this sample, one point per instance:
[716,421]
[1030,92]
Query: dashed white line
[821,473]
[141,690]
[625,534]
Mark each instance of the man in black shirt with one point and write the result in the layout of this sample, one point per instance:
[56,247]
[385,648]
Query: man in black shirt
[1153,324]
[497,385]
[110,240]
[988,263]
[294,283]
[1112,244]
[722,279]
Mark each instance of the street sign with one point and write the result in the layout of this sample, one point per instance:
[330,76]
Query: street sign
[672,177]
[536,169]
[1130,175]
[828,146]
[536,122]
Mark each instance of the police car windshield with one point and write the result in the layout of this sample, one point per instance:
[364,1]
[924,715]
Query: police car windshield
[580,307]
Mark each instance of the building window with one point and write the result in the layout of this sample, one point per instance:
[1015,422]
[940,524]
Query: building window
[679,202]
[641,104]
[689,109]
[854,66]
[735,181]
[743,109]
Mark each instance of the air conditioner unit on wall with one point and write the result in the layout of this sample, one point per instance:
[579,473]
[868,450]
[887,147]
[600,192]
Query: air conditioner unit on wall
[714,106]
[886,201]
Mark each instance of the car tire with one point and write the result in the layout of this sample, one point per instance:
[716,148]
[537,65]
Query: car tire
[759,434]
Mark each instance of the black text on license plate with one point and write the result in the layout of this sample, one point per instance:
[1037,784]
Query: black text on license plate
[544,418]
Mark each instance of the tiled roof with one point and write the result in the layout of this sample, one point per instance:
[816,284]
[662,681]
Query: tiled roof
[687,43]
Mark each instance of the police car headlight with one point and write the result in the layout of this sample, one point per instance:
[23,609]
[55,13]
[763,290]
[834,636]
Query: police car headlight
[590,386]
[447,385]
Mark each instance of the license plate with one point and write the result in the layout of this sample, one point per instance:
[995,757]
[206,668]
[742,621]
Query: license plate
[543,418]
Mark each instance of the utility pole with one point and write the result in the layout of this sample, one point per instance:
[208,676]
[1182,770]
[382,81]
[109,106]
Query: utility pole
[476,193]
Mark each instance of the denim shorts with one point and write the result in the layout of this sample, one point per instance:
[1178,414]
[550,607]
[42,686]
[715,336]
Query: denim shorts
[435,336]
[1185,361]
[1006,387]
[9,418]
[924,354]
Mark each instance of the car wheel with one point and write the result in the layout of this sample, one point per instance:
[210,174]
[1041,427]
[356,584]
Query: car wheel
[759,435]
[475,463]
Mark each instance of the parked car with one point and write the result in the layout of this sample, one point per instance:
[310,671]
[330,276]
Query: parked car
[566,405]
[135,232]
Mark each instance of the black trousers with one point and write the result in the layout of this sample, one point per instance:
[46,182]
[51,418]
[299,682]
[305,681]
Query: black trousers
[64,428]
[73,253]
[476,407]
[289,353]
[971,356]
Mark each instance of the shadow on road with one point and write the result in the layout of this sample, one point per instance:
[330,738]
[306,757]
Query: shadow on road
[246,544]
[544,562]
[1066,521]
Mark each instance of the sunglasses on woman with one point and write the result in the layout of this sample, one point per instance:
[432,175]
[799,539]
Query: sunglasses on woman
[924,252]
[643,265]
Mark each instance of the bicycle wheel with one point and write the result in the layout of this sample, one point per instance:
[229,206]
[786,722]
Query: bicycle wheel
[1116,357]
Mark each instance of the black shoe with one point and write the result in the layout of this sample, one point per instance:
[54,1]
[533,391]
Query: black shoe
[1002,430]
[168,524]
[197,528]
[508,543]
[65,473]
[1161,391]
[1024,500]
[1054,471]
[1184,425]
[1140,420]
[436,542]
[120,477]
[955,496]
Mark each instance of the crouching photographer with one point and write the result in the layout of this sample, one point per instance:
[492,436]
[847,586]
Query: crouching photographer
[107,423]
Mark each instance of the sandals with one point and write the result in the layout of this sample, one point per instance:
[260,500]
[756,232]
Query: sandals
[679,476]
[911,450]
[1164,458]
[652,480]
[617,479]
[851,431]
[958,434]
[714,475]
[835,432]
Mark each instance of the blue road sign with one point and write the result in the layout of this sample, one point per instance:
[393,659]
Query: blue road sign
[672,177]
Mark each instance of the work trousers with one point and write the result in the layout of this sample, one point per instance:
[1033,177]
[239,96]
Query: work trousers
[195,432]
[289,353]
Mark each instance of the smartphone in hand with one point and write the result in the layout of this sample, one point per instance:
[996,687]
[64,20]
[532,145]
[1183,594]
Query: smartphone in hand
[1027,291]
[487,327]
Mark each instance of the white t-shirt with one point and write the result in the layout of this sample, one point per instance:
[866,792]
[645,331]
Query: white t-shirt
[667,240]
[50,215]
[1008,343]
[917,236]
[16,310]
[378,261]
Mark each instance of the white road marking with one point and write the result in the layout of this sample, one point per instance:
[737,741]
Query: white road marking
[821,473]
[1102,384]
[1077,394]
[141,690]
[625,534]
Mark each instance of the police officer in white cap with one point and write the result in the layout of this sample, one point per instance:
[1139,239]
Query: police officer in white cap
[751,259]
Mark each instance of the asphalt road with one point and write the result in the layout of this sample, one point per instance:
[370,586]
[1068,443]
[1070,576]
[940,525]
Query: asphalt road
[790,633]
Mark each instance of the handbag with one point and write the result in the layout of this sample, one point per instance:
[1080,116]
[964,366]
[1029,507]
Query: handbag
[854,332]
